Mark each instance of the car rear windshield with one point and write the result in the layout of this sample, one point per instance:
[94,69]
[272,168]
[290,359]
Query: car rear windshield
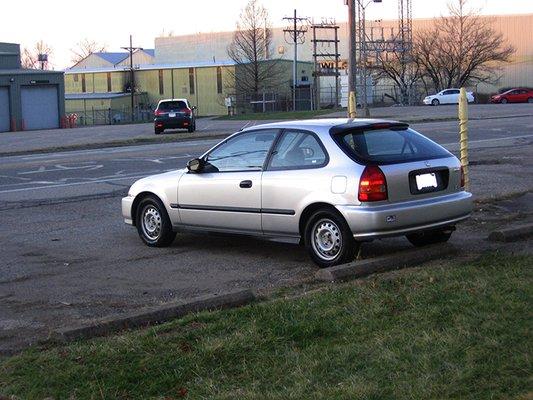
[388,146]
[172,105]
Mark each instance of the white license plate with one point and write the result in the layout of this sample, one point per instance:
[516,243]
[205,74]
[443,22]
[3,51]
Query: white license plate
[171,115]
[424,181]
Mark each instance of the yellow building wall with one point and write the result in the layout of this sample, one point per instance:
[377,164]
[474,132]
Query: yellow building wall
[175,84]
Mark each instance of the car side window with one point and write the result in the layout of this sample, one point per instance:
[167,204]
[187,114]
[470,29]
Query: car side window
[446,92]
[244,152]
[297,150]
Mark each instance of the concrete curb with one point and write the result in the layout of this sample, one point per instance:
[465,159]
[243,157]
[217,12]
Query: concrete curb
[155,315]
[511,234]
[407,258]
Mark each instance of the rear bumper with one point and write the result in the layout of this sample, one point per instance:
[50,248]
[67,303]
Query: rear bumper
[177,122]
[402,218]
[127,203]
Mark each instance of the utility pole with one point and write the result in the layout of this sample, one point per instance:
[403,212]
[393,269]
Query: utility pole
[295,34]
[132,49]
[351,60]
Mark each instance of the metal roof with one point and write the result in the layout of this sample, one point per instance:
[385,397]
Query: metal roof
[113,58]
[22,71]
[150,52]
[94,96]
[145,67]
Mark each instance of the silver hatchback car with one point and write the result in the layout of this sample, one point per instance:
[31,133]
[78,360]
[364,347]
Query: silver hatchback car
[331,183]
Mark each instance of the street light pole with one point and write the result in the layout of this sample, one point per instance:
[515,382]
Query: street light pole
[294,66]
[351,60]
[131,49]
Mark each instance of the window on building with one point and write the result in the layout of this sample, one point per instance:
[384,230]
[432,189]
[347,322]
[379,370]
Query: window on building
[219,80]
[191,80]
[76,78]
[109,82]
[161,82]
[83,85]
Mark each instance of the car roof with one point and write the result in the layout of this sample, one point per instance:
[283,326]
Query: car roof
[326,123]
[162,101]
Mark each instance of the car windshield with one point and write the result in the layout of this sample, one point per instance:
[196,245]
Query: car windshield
[172,105]
[389,146]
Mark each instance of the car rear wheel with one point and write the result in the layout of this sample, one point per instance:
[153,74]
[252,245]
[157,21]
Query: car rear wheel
[153,224]
[329,240]
[192,128]
[435,102]
[530,100]
[504,101]
[157,131]
[426,238]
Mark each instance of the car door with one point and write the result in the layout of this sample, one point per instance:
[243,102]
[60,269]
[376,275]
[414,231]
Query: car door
[445,97]
[454,96]
[226,194]
[294,171]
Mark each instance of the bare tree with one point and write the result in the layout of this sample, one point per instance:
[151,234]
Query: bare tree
[402,70]
[85,48]
[462,49]
[251,50]
[29,57]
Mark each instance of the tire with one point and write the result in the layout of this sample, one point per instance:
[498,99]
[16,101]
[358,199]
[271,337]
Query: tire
[530,100]
[158,131]
[191,128]
[328,239]
[153,224]
[420,239]
[435,102]
[504,101]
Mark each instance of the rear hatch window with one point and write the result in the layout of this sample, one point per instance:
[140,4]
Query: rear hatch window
[172,105]
[388,146]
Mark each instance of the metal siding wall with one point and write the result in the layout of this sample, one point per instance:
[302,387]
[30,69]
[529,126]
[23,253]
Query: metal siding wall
[40,107]
[4,110]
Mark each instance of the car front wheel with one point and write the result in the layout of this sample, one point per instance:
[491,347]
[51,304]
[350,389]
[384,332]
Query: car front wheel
[426,238]
[504,101]
[530,100]
[153,224]
[329,240]
[435,102]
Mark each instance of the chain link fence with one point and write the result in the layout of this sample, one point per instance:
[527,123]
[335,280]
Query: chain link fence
[110,116]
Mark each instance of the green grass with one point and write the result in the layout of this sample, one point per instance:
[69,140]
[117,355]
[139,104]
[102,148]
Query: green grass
[448,331]
[277,115]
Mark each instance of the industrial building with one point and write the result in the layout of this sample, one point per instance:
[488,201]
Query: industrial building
[205,84]
[116,59]
[516,29]
[29,99]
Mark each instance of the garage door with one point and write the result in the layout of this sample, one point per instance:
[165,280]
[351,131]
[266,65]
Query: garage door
[4,109]
[40,107]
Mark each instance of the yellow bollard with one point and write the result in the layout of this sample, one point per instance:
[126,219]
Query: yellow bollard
[352,105]
[463,133]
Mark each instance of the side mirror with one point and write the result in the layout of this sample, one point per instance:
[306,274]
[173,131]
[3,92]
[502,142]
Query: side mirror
[194,108]
[196,165]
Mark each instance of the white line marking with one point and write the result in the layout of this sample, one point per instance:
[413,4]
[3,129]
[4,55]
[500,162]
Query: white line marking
[490,140]
[76,183]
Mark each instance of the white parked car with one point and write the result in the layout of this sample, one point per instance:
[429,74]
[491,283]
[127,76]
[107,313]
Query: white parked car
[447,96]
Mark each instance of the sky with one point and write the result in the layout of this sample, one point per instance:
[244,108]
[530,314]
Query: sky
[63,24]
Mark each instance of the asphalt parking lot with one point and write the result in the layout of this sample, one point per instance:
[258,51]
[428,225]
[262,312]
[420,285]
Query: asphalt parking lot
[67,257]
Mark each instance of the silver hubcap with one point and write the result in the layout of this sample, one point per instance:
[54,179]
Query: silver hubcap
[151,222]
[327,239]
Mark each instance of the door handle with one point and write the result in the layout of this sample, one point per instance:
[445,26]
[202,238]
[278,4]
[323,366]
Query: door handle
[245,184]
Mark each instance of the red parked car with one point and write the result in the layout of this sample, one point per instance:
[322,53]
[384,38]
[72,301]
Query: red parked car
[519,95]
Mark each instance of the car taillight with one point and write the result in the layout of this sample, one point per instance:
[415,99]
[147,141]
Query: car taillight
[462,177]
[158,112]
[372,185]
[187,111]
